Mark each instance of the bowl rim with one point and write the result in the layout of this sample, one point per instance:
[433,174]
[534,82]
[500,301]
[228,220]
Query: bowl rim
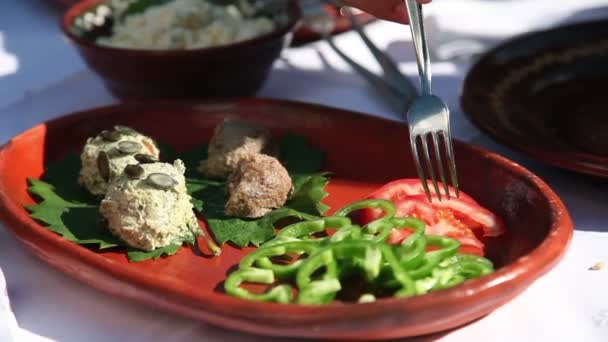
[76,9]
[526,268]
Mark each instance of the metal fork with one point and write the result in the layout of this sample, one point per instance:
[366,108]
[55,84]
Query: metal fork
[320,22]
[391,71]
[428,117]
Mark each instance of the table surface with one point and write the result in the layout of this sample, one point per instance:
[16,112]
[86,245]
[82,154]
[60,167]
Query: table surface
[41,77]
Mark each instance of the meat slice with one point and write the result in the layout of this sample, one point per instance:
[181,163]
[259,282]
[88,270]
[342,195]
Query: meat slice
[232,141]
[259,184]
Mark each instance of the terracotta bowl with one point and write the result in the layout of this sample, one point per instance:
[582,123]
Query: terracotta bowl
[539,226]
[229,70]
[303,34]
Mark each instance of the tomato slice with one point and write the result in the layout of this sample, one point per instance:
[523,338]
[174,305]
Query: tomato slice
[413,207]
[449,226]
[442,222]
[396,236]
[468,241]
[458,218]
[471,215]
[406,187]
[465,208]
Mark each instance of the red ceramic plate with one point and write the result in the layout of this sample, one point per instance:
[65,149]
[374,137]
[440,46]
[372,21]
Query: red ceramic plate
[363,151]
[543,94]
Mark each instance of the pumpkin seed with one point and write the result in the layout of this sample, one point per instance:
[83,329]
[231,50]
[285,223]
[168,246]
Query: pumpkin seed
[134,171]
[103,165]
[161,181]
[598,266]
[145,158]
[125,130]
[111,136]
[129,147]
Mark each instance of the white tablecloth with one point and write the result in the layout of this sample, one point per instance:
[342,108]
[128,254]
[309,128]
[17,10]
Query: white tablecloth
[42,77]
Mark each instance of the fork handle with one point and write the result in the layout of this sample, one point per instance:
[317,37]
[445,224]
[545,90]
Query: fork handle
[414,11]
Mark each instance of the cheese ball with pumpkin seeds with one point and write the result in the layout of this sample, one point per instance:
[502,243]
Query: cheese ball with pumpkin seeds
[147,206]
[106,155]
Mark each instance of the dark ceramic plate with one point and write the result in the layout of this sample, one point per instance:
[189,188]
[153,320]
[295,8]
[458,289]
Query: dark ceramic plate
[360,150]
[544,94]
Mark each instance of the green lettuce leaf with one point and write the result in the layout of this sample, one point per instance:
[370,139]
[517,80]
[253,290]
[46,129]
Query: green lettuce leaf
[243,232]
[136,255]
[61,215]
[309,191]
[298,156]
[66,209]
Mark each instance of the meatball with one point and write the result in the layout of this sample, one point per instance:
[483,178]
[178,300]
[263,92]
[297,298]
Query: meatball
[147,206]
[107,154]
[232,141]
[259,184]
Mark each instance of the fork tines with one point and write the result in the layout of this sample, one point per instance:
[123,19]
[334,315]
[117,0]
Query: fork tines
[434,137]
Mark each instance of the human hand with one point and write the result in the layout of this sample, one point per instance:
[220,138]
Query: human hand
[393,10]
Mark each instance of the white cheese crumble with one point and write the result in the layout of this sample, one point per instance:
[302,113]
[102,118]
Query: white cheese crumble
[147,217]
[186,24]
